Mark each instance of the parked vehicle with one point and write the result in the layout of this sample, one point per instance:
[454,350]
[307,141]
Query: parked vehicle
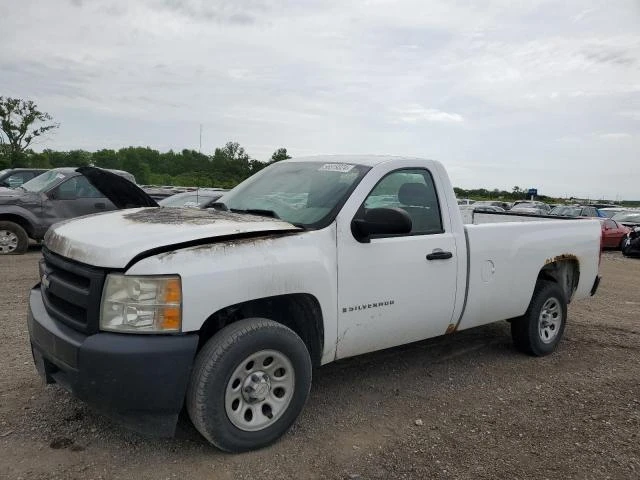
[575,211]
[631,245]
[611,211]
[14,177]
[630,218]
[532,204]
[311,260]
[530,208]
[201,198]
[493,203]
[613,233]
[28,211]
[487,208]
[465,201]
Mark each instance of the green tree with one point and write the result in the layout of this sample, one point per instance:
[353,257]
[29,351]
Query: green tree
[20,124]
[106,159]
[280,154]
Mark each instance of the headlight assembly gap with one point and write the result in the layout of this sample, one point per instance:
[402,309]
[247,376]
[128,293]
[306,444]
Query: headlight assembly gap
[141,304]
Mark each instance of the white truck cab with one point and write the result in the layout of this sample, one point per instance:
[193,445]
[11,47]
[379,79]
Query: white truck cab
[226,311]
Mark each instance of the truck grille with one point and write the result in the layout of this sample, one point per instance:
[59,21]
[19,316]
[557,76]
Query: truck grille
[71,292]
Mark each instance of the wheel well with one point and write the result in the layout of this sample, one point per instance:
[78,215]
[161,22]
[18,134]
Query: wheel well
[565,272]
[300,312]
[23,222]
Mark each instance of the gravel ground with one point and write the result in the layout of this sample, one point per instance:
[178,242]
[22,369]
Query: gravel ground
[466,406]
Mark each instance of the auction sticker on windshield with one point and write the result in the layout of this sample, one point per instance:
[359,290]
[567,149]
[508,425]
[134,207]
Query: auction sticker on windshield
[336,167]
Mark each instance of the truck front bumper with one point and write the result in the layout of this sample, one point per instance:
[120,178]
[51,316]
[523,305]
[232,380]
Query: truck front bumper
[137,380]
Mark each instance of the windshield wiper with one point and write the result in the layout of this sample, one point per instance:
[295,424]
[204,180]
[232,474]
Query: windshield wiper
[256,211]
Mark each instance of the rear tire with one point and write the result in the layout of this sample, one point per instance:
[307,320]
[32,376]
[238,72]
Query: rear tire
[540,329]
[13,239]
[249,384]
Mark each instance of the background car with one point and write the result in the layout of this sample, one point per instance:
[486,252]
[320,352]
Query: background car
[14,177]
[630,218]
[27,212]
[202,198]
[541,207]
[613,233]
[631,244]
[611,211]
[487,209]
[493,203]
[575,211]
[465,201]
[530,208]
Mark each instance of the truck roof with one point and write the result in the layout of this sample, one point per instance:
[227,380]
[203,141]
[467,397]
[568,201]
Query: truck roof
[367,160]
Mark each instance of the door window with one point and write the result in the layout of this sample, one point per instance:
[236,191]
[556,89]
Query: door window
[76,187]
[17,179]
[413,191]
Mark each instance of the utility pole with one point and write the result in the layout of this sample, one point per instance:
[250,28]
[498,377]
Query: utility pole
[200,147]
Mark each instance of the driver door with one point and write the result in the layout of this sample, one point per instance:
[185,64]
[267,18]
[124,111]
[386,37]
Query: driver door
[73,198]
[397,289]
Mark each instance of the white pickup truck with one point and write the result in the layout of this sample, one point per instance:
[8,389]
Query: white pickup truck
[141,312]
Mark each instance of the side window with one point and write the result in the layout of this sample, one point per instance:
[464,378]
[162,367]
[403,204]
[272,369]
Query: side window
[17,179]
[610,224]
[76,187]
[413,191]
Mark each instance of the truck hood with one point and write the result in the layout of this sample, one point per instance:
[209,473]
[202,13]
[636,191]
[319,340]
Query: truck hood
[121,192]
[115,239]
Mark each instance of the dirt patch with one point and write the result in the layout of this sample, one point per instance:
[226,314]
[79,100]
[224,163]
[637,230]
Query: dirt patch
[193,216]
[485,410]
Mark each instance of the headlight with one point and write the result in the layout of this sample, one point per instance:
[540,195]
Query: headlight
[141,304]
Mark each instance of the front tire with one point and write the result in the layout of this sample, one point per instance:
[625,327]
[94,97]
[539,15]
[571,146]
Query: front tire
[13,239]
[249,384]
[540,329]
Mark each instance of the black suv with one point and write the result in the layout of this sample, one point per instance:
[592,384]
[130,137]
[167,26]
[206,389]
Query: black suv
[60,194]
[14,177]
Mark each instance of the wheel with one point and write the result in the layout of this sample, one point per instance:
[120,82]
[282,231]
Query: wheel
[540,329]
[13,239]
[249,384]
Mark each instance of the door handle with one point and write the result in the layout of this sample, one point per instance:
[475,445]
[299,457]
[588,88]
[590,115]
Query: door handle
[439,255]
[100,206]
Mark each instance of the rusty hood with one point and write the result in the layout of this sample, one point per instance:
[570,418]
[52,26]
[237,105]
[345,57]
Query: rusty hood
[115,239]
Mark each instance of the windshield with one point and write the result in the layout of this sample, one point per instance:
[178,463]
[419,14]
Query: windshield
[627,217]
[306,194]
[43,182]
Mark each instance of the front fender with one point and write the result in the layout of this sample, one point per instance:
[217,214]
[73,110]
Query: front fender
[25,217]
[218,275]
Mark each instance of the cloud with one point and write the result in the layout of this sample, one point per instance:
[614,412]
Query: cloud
[416,113]
[616,136]
[632,114]
[496,82]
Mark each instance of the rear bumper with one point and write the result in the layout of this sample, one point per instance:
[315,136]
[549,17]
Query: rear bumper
[596,284]
[137,380]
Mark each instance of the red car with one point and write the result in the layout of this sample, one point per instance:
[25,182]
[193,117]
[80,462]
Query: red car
[613,233]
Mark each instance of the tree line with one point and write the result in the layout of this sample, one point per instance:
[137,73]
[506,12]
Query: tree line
[226,167]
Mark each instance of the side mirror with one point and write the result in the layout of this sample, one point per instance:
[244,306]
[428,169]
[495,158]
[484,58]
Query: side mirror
[381,221]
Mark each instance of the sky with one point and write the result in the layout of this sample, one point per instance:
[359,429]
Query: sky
[532,93]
